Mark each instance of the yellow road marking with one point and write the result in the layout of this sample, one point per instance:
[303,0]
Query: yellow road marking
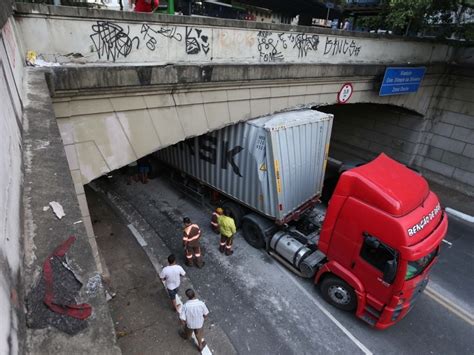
[461,313]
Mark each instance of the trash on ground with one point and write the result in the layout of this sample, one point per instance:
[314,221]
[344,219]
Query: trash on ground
[57,209]
[52,301]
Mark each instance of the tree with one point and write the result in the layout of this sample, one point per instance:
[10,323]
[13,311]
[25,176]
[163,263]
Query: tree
[440,17]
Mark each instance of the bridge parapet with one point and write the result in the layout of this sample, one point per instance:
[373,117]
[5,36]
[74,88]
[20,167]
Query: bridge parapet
[101,36]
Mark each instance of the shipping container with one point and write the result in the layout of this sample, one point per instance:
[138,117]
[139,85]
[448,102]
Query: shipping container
[273,164]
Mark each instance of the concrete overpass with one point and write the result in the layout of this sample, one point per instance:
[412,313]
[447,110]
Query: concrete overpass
[123,85]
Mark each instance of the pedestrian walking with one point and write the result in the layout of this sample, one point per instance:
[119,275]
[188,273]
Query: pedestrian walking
[132,172]
[171,276]
[143,169]
[215,215]
[227,230]
[193,314]
[192,247]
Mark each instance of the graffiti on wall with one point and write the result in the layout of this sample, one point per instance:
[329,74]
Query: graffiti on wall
[335,46]
[304,43]
[111,40]
[196,41]
[273,46]
[268,47]
[150,34]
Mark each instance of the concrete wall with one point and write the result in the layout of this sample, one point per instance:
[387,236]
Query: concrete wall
[11,320]
[96,127]
[449,149]
[365,130]
[68,35]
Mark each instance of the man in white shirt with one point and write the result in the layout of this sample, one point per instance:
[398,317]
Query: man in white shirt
[171,275]
[192,316]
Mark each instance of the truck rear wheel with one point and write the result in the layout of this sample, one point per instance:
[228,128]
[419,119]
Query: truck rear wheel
[338,293]
[235,211]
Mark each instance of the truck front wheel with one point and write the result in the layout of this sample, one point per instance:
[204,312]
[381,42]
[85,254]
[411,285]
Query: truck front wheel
[253,234]
[338,293]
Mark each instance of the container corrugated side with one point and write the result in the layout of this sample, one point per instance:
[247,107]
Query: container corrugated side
[273,169]
[299,152]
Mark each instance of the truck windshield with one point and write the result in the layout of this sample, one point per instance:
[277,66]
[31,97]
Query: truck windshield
[416,267]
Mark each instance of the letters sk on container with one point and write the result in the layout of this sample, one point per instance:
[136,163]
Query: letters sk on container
[273,164]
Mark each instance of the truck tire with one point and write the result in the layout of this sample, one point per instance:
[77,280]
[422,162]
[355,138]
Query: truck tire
[236,212]
[338,293]
[253,234]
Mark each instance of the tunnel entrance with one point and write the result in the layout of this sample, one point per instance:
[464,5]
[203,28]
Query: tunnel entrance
[362,131]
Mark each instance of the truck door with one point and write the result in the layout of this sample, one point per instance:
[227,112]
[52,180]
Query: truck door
[374,260]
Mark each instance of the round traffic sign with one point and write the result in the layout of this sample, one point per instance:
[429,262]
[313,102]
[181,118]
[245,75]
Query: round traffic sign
[345,93]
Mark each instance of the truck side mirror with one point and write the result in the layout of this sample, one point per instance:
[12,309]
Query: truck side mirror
[371,241]
[389,271]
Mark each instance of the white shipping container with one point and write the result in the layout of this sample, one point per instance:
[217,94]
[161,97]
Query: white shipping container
[273,164]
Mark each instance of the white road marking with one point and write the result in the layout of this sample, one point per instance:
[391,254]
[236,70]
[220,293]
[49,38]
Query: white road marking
[326,312]
[448,242]
[450,306]
[157,266]
[459,214]
[137,235]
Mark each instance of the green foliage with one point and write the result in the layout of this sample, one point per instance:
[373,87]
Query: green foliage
[437,17]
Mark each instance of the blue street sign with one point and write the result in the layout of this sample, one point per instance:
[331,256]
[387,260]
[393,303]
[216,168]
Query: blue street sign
[401,80]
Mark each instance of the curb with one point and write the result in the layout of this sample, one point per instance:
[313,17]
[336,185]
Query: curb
[460,215]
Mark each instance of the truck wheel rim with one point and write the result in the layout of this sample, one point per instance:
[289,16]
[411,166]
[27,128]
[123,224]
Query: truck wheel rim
[339,294]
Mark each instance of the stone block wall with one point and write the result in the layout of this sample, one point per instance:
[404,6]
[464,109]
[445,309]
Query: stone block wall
[367,130]
[449,150]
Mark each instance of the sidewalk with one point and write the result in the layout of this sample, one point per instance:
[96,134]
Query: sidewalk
[144,320]
[453,198]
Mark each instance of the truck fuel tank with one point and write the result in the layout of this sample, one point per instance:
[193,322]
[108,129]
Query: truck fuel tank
[296,253]
[289,248]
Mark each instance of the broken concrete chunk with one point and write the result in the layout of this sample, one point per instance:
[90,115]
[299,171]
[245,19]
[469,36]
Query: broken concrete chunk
[57,209]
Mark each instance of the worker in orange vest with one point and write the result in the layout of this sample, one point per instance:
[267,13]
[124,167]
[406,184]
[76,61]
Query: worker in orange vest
[191,236]
[215,215]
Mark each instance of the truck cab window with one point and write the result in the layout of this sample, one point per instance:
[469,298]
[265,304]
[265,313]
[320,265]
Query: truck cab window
[376,253]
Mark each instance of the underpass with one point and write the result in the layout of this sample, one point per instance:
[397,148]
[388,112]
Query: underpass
[98,106]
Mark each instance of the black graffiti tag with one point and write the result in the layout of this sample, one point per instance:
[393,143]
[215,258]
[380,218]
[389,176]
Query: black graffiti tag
[304,43]
[110,40]
[149,33]
[268,47]
[336,46]
[196,41]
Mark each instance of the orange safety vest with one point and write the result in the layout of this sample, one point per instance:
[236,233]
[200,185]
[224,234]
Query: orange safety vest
[191,233]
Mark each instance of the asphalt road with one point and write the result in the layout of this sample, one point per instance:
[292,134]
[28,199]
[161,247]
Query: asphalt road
[265,309]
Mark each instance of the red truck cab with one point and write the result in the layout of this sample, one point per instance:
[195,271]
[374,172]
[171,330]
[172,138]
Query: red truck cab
[381,236]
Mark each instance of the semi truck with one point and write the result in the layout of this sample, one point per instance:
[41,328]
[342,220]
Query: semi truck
[370,249]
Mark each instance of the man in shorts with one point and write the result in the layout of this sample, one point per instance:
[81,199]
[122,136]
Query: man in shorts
[171,275]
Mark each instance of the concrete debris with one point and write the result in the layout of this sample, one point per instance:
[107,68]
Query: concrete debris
[56,290]
[109,295]
[57,209]
[45,208]
[93,284]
